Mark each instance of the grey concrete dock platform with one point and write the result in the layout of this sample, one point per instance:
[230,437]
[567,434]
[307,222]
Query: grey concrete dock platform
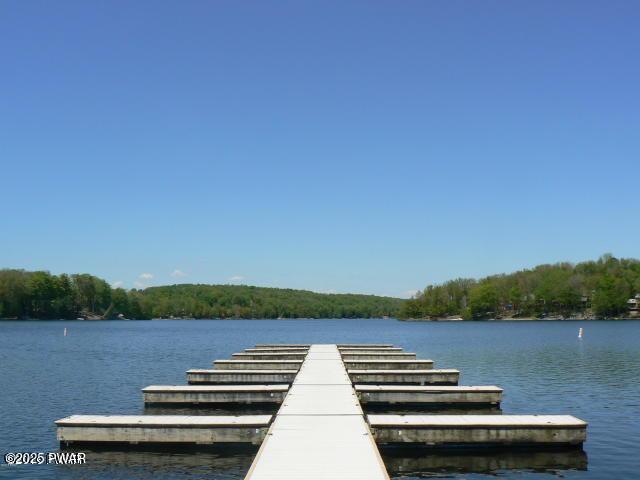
[374,364]
[260,377]
[411,377]
[364,345]
[271,345]
[269,356]
[443,430]
[277,349]
[134,429]
[257,364]
[428,395]
[206,394]
[379,355]
[370,350]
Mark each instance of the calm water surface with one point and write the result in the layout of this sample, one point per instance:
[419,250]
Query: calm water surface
[100,367]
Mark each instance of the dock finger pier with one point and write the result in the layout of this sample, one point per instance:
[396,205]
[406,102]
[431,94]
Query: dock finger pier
[321,429]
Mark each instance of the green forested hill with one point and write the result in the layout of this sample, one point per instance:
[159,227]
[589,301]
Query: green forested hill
[42,295]
[224,301]
[601,288]
[597,288]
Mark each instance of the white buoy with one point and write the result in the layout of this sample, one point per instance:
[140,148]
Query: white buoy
[580,333]
[65,332]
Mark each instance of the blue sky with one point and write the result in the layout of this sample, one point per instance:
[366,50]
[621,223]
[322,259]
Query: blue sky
[343,146]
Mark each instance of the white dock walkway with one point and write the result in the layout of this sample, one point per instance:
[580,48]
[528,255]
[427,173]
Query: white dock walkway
[320,431]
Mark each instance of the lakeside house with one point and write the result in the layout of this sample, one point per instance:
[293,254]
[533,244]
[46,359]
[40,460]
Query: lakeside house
[585,302]
[633,304]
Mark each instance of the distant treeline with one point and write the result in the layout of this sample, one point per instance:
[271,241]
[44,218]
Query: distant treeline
[601,288]
[41,295]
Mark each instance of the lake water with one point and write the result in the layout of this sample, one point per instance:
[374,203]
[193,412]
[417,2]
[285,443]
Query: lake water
[100,367]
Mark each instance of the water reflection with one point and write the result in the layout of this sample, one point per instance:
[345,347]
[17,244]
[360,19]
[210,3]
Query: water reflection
[223,463]
[420,463]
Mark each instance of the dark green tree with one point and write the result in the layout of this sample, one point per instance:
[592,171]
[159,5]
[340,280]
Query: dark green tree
[483,302]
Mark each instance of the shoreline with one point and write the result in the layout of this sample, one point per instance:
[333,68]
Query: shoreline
[409,320]
[523,319]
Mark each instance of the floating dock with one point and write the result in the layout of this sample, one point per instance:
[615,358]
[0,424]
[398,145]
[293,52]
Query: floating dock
[277,349]
[153,429]
[499,430]
[321,430]
[257,364]
[348,350]
[388,364]
[368,355]
[203,394]
[411,377]
[414,395]
[283,355]
[252,377]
